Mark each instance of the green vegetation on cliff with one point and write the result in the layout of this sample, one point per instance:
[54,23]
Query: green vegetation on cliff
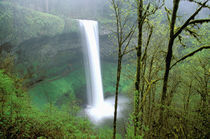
[18,24]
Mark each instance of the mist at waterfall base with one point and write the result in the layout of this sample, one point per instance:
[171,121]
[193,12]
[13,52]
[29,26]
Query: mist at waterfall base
[98,108]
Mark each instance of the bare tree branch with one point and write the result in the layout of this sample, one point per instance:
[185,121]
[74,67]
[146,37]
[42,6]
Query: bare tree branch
[132,30]
[189,19]
[199,21]
[146,11]
[129,40]
[128,51]
[199,3]
[168,13]
[148,41]
[190,54]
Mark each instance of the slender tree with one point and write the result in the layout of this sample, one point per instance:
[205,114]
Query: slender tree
[124,37]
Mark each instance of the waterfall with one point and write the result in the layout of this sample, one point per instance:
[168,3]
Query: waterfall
[89,31]
[98,108]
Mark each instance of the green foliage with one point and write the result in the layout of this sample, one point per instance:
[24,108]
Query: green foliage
[130,133]
[50,90]
[20,119]
[109,78]
[71,25]
[18,24]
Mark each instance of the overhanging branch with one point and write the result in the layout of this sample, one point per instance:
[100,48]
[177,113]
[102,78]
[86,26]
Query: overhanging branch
[199,21]
[200,3]
[189,19]
[190,54]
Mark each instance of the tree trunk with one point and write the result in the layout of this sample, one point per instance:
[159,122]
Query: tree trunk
[116,92]
[168,60]
[138,68]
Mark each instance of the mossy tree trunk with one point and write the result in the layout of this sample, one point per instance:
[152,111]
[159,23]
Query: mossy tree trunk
[138,68]
[173,35]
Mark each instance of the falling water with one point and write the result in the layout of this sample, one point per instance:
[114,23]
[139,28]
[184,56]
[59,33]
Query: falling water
[98,108]
[92,62]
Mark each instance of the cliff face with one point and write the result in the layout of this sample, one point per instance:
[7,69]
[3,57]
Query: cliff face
[63,48]
[49,47]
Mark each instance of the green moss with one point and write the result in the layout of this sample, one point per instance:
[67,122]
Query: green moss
[50,90]
[18,24]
